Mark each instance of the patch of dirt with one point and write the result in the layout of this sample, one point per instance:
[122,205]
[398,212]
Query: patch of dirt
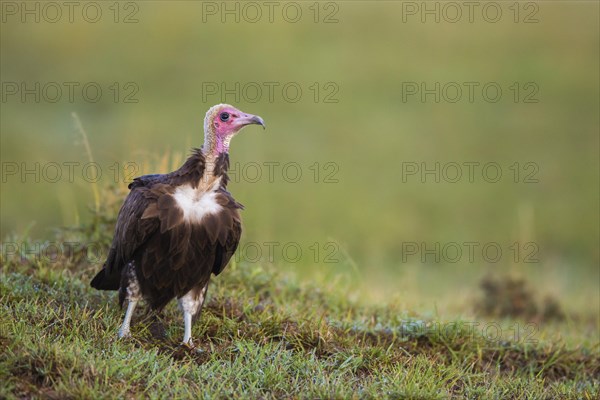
[511,297]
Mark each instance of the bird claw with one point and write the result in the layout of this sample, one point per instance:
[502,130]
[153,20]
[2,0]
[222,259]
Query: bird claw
[124,334]
[189,344]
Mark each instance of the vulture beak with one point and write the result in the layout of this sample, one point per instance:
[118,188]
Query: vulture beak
[249,119]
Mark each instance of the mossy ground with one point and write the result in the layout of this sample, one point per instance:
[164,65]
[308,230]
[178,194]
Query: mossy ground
[262,335]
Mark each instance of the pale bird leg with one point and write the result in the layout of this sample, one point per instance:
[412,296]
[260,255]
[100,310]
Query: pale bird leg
[191,304]
[132,295]
[187,328]
[124,330]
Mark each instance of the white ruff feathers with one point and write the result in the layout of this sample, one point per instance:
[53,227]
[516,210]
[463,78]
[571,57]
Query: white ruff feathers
[197,203]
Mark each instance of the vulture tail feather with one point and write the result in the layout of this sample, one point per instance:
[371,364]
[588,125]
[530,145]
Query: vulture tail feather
[105,282]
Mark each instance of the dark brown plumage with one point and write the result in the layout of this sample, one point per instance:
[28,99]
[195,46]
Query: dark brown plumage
[174,230]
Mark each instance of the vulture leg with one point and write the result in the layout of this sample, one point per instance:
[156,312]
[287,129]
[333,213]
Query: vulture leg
[191,304]
[124,330]
[131,293]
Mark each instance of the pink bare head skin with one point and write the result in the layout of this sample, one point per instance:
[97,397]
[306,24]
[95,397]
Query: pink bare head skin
[222,122]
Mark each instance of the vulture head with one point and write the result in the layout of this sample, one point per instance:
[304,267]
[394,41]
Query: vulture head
[222,122]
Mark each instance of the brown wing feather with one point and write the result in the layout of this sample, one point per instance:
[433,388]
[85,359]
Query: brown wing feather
[131,232]
[229,238]
[172,256]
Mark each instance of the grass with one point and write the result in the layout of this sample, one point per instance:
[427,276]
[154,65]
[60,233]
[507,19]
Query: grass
[262,334]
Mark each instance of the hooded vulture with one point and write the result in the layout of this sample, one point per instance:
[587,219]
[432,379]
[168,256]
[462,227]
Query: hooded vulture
[174,230]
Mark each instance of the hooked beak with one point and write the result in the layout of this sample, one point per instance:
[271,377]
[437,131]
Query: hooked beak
[249,119]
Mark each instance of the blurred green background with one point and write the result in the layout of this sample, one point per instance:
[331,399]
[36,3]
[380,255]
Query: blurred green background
[368,53]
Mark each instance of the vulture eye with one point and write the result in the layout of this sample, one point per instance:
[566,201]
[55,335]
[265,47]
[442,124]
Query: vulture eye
[224,116]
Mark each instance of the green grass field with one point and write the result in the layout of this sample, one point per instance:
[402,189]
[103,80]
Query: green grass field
[346,283]
[264,335]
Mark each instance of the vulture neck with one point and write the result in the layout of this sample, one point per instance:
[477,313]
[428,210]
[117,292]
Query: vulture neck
[204,166]
[202,169]
[214,145]
[215,149]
